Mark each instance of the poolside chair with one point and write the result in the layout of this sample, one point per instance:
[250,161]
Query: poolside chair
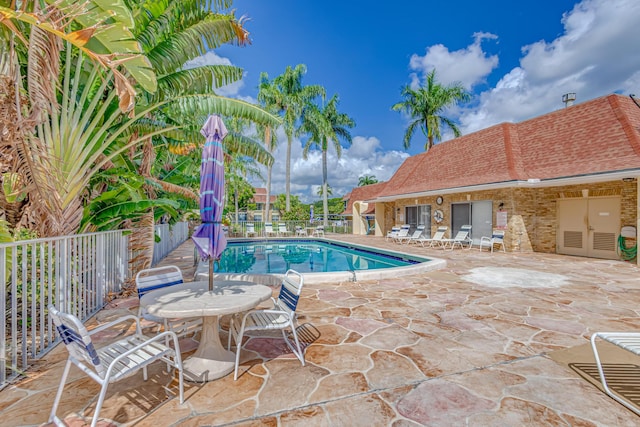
[300,231]
[112,362]
[461,238]
[436,240]
[268,230]
[496,239]
[250,230]
[282,316]
[282,229]
[402,234]
[319,231]
[150,279]
[629,341]
[392,233]
[413,237]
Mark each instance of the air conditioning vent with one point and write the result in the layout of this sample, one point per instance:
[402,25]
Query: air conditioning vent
[573,239]
[604,241]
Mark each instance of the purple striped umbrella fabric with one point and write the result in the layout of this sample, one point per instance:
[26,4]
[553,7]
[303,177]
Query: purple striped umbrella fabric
[209,237]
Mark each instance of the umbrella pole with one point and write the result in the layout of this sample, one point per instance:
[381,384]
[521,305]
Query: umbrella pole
[210,273]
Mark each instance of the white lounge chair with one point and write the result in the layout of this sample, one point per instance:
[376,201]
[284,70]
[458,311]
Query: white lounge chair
[417,234]
[112,362]
[268,230]
[282,229]
[282,316]
[392,233]
[496,239]
[300,231]
[462,237]
[250,230]
[150,279]
[629,341]
[436,240]
[402,234]
[319,231]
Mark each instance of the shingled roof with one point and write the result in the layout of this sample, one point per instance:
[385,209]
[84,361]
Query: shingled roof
[588,139]
[366,192]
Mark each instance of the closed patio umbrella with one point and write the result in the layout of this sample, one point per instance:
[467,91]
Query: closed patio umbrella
[209,237]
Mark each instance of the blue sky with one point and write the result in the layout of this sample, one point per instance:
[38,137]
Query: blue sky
[516,58]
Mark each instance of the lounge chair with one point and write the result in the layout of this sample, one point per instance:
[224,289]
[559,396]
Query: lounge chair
[300,231]
[150,279]
[436,240]
[268,230]
[461,238]
[629,341]
[496,239]
[392,233]
[319,231]
[417,234]
[282,229]
[114,361]
[402,234]
[250,230]
[282,316]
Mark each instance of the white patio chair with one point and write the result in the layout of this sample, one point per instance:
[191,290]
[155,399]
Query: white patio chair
[461,238]
[300,231]
[112,362]
[391,234]
[496,239]
[417,234]
[436,240]
[402,234]
[282,316]
[282,229]
[250,230]
[629,341]
[319,231]
[151,279]
[268,230]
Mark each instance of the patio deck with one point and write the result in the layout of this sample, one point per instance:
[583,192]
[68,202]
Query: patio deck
[470,344]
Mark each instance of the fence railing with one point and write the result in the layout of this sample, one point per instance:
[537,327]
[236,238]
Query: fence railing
[171,236]
[240,229]
[79,274]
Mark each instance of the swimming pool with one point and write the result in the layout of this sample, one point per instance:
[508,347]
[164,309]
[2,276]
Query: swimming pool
[318,259]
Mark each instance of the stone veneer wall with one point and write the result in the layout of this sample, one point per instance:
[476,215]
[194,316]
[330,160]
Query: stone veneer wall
[532,218]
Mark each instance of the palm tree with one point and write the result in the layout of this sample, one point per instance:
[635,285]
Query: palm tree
[324,126]
[287,95]
[366,180]
[425,105]
[320,191]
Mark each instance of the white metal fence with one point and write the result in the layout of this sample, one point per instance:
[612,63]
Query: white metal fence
[77,273]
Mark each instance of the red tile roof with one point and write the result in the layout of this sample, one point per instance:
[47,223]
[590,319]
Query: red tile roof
[366,192]
[594,137]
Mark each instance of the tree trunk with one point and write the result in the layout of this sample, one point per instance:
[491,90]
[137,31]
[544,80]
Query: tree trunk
[288,175]
[325,196]
[268,203]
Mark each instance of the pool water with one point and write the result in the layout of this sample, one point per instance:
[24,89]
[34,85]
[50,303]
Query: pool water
[304,256]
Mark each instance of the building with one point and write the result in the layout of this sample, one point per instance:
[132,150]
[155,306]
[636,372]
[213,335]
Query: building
[260,200]
[363,213]
[564,182]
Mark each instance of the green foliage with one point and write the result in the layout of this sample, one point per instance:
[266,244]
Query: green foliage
[298,211]
[367,180]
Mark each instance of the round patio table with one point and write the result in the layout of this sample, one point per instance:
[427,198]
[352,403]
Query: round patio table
[193,299]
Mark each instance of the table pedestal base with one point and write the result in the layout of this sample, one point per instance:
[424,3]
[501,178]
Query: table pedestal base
[211,360]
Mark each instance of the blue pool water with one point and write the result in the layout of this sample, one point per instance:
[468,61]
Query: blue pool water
[306,256]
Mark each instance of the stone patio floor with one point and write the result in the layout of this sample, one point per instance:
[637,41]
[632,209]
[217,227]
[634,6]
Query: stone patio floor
[465,345]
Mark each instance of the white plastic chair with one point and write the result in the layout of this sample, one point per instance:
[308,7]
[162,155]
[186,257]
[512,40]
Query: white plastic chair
[112,362]
[319,231]
[250,230]
[282,229]
[629,341]
[300,231]
[268,230]
[151,279]
[461,238]
[282,316]
[437,238]
[392,233]
[402,234]
[497,238]
[417,234]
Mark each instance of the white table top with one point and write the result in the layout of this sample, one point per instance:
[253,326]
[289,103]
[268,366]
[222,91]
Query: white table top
[193,299]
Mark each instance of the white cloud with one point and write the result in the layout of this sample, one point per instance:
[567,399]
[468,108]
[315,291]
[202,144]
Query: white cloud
[595,55]
[363,157]
[468,66]
[210,58]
